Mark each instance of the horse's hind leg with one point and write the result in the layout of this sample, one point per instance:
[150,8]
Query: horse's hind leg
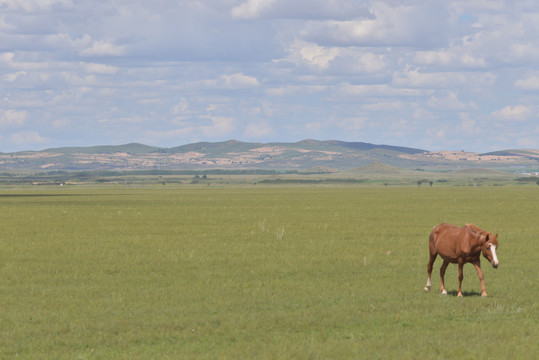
[461,276]
[433,253]
[442,274]
[429,271]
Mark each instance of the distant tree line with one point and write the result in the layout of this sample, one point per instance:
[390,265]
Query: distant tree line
[311,181]
[424,181]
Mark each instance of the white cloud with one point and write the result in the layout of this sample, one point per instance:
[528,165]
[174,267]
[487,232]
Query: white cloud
[27,138]
[258,130]
[251,9]
[451,102]
[13,118]
[440,57]
[60,123]
[13,76]
[402,24]
[375,90]
[291,90]
[423,114]
[353,124]
[300,9]
[454,57]
[438,133]
[102,69]
[416,79]
[335,60]
[513,113]
[235,81]
[30,6]
[468,126]
[384,106]
[4,26]
[103,48]
[220,126]
[174,134]
[181,107]
[360,62]
[528,83]
[313,55]
[7,57]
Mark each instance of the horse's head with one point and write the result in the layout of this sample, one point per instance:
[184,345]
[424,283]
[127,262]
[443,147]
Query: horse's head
[489,249]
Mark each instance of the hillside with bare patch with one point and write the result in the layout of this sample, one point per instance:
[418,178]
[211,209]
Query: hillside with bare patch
[306,154]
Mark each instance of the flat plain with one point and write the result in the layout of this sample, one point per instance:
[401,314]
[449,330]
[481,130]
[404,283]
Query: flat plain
[266,272]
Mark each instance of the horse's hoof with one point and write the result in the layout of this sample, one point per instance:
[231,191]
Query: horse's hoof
[427,289]
[444,292]
[484,295]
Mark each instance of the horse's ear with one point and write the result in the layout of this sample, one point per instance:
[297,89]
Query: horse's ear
[487,238]
[483,238]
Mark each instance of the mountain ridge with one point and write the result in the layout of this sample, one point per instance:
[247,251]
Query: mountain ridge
[234,154]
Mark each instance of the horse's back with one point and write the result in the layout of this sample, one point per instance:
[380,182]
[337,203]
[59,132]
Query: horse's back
[443,229]
[444,239]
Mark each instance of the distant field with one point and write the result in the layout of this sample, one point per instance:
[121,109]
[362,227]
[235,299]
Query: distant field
[268,272]
[372,174]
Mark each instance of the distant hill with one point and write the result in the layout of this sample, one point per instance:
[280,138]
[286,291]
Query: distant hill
[366,146]
[105,149]
[302,156]
[479,172]
[531,154]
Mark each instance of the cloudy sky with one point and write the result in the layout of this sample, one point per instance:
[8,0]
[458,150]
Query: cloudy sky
[436,75]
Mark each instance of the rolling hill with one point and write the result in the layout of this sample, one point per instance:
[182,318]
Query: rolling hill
[301,156]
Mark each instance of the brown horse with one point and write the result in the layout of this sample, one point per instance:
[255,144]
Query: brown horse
[459,246]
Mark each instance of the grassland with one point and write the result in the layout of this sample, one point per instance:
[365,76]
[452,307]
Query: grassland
[372,174]
[276,272]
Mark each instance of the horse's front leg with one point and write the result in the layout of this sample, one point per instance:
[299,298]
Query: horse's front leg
[442,274]
[480,274]
[461,276]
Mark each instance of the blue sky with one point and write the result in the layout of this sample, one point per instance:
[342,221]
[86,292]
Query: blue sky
[436,75]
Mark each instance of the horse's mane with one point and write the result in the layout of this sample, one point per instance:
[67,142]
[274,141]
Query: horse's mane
[477,230]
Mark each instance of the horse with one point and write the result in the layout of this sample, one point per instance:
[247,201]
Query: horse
[459,246]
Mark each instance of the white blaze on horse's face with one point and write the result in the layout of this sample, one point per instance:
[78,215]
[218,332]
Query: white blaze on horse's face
[495,262]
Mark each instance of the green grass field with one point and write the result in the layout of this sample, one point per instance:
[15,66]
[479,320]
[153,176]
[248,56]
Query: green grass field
[261,272]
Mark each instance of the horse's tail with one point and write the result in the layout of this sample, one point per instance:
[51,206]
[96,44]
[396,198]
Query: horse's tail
[433,234]
[432,240]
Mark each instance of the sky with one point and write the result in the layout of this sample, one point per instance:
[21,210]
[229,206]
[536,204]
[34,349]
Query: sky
[434,75]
